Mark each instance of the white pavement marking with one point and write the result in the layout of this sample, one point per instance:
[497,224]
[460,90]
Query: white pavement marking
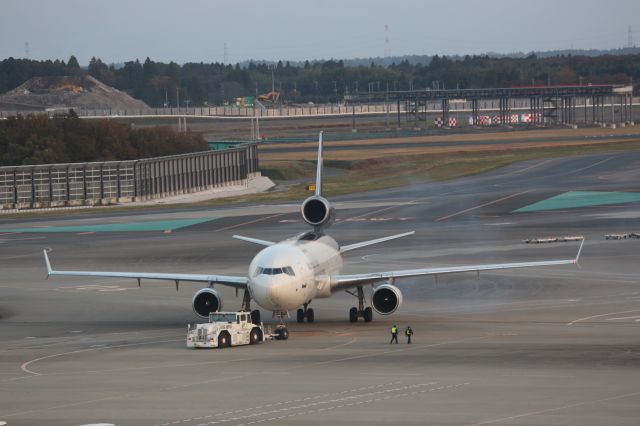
[550,410]
[483,205]
[623,318]
[602,315]
[586,167]
[24,367]
[251,221]
[377,396]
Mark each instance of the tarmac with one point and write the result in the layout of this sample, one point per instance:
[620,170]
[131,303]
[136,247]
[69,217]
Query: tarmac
[544,346]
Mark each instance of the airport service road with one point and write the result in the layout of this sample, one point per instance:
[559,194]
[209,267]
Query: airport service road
[547,346]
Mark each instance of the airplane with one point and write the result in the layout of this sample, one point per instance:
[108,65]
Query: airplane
[289,274]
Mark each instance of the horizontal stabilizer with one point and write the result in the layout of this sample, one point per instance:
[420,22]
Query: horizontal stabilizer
[254,240]
[372,242]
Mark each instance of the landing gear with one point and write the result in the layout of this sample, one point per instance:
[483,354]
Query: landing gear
[281,332]
[246,307]
[305,312]
[360,311]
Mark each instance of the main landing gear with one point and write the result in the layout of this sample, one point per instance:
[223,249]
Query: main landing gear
[246,307]
[307,313]
[360,311]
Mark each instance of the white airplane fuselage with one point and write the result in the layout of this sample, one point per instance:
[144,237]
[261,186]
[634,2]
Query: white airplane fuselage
[288,274]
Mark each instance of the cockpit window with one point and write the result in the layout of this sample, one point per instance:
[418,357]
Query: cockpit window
[274,271]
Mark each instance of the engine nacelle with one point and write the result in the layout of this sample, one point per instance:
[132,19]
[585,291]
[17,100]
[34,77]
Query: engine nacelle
[386,298]
[205,301]
[317,211]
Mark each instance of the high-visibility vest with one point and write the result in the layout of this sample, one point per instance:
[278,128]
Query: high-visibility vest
[394,330]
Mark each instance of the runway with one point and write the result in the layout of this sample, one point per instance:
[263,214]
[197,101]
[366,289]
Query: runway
[546,346]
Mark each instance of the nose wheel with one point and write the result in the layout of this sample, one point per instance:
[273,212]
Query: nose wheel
[360,311]
[305,312]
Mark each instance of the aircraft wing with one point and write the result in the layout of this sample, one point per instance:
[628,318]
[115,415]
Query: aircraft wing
[341,282]
[237,282]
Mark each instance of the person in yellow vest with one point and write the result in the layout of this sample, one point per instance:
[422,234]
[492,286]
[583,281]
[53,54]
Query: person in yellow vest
[394,334]
[408,332]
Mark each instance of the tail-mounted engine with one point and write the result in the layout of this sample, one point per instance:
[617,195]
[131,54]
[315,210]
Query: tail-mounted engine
[317,211]
[386,298]
[205,301]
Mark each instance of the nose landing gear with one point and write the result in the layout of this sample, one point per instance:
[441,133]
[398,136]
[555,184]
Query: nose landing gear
[360,311]
[281,332]
[307,313]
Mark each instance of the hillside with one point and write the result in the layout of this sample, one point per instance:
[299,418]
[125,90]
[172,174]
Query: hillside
[80,91]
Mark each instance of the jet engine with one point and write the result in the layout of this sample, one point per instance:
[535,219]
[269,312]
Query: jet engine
[317,211]
[386,298]
[205,301]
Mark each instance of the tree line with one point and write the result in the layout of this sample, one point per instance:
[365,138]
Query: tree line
[38,139]
[200,84]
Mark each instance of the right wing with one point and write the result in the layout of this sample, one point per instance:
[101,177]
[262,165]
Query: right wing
[237,282]
[341,282]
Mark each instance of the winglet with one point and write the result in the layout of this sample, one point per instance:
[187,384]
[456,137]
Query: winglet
[46,261]
[319,168]
[577,259]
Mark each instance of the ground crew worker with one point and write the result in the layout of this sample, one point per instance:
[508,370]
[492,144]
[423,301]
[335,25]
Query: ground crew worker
[408,332]
[394,334]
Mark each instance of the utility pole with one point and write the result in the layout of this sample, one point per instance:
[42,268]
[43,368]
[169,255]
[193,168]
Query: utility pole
[335,90]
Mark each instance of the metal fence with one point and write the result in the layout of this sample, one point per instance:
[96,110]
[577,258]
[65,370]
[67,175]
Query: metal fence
[74,184]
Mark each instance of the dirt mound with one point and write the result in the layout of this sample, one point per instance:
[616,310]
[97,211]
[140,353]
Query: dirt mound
[81,92]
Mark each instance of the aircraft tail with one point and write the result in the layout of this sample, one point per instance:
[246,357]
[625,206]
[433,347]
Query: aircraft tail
[319,168]
[316,210]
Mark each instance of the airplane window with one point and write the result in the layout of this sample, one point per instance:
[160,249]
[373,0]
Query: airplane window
[289,271]
[277,271]
[259,271]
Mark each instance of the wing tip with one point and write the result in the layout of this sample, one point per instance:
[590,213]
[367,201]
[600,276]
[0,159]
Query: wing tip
[47,262]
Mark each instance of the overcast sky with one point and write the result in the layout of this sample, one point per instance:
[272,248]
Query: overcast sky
[197,30]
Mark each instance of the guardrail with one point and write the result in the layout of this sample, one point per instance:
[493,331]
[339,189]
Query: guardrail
[103,183]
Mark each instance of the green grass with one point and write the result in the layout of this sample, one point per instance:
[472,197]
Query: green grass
[378,173]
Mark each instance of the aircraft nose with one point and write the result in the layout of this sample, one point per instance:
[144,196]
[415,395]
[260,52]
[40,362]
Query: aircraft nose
[277,290]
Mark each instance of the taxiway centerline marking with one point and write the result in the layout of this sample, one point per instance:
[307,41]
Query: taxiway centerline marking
[550,410]
[602,315]
[251,221]
[482,205]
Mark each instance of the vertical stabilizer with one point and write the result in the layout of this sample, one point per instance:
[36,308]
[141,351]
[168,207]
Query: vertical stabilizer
[316,210]
[319,168]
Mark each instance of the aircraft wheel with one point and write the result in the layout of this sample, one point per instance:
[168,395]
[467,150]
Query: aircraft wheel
[300,315]
[284,334]
[309,315]
[353,315]
[368,314]
[255,317]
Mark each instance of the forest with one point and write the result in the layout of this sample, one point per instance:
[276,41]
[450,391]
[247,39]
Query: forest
[202,84]
[37,139]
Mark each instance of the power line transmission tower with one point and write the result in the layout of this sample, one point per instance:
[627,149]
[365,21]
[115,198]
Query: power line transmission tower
[629,37]
[226,54]
[26,50]
[387,49]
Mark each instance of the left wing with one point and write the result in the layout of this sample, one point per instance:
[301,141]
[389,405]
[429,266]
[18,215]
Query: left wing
[341,282]
[237,282]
